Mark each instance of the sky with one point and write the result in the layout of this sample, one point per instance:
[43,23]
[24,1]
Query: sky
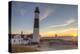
[60,19]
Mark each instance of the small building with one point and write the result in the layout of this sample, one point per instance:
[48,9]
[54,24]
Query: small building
[17,39]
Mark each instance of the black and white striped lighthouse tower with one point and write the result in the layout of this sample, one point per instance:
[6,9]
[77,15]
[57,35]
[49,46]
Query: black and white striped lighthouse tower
[36,37]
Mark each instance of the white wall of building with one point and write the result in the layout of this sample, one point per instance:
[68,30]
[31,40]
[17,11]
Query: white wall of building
[18,40]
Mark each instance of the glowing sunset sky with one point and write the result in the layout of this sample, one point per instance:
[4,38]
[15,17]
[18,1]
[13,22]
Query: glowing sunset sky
[54,18]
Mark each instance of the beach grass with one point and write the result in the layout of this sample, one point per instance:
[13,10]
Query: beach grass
[23,48]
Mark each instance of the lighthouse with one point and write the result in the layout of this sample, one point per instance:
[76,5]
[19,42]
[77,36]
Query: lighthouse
[36,37]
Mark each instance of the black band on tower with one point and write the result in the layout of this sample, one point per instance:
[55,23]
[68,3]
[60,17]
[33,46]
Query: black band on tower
[36,23]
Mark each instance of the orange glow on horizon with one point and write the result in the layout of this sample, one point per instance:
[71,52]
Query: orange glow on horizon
[69,32]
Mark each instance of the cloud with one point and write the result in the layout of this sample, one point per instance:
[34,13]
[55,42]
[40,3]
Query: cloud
[67,23]
[70,21]
[46,13]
